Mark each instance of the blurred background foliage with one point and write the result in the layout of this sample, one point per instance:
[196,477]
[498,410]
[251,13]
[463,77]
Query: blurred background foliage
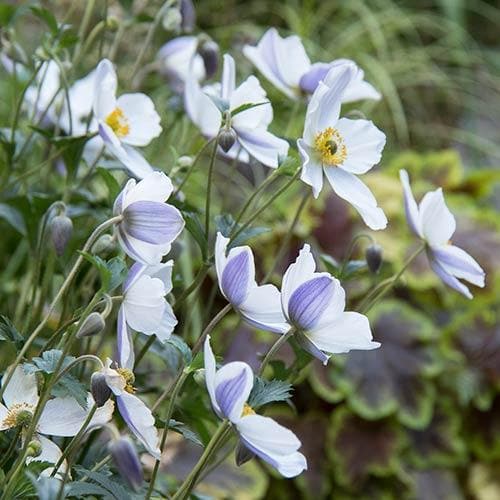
[420,417]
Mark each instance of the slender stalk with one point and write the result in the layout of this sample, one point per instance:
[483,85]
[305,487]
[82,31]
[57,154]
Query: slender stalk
[170,409]
[64,287]
[11,448]
[209,191]
[198,280]
[274,349]
[351,249]
[89,7]
[384,286]
[144,350]
[212,446]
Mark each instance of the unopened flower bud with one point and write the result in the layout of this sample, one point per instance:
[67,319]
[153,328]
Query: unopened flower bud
[373,257]
[112,23]
[242,454]
[199,377]
[99,389]
[172,19]
[104,245]
[226,139]
[92,325]
[188,14]
[127,462]
[209,52]
[34,449]
[185,161]
[61,229]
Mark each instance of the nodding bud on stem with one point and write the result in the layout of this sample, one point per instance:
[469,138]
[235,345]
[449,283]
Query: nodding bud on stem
[34,449]
[242,454]
[127,461]
[99,389]
[209,52]
[61,229]
[226,139]
[373,257]
[188,14]
[104,245]
[199,377]
[92,325]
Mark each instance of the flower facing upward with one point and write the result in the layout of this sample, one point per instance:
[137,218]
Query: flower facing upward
[144,308]
[259,305]
[61,416]
[273,55]
[313,303]
[250,125]
[149,225]
[340,148]
[123,122]
[136,414]
[433,223]
[229,388]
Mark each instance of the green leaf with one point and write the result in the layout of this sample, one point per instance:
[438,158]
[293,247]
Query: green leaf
[225,224]
[47,488]
[71,149]
[70,386]
[269,391]
[46,16]
[9,333]
[111,183]
[112,487]
[85,490]
[245,107]
[112,272]
[193,225]
[13,217]
[181,347]
[48,362]
[289,166]
[7,13]
[222,104]
[185,431]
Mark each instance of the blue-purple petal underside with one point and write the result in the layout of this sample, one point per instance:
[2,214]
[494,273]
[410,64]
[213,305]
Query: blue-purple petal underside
[235,278]
[228,391]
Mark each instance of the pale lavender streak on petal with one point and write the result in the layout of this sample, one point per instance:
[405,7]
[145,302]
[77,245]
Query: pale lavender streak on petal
[448,279]
[133,272]
[228,391]
[310,80]
[450,260]
[122,338]
[152,222]
[309,301]
[117,206]
[128,247]
[234,280]
[260,453]
[122,408]
[308,346]
[105,137]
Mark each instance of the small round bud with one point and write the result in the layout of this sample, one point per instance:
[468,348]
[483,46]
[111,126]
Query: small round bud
[373,257]
[127,462]
[99,389]
[23,418]
[188,14]
[172,19]
[61,229]
[112,23]
[104,245]
[34,449]
[226,139]
[199,377]
[92,325]
[184,161]
[242,454]
[209,52]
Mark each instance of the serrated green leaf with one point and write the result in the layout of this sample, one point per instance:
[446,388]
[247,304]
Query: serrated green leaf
[115,489]
[269,391]
[193,225]
[182,347]
[48,362]
[8,331]
[85,490]
[118,272]
[70,386]
[111,183]
[13,217]
[101,266]
[185,431]
[46,16]
[225,224]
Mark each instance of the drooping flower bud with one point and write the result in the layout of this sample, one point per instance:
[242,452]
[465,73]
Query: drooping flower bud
[373,257]
[34,449]
[172,19]
[99,389]
[209,52]
[92,325]
[226,139]
[242,454]
[188,14]
[61,229]
[127,462]
[104,245]
[199,377]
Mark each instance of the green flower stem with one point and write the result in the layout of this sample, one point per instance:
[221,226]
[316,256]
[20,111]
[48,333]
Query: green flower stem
[351,249]
[62,291]
[212,446]
[209,191]
[198,280]
[144,350]
[266,205]
[384,286]
[89,7]
[12,447]
[18,466]
[168,415]
[274,349]
[74,442]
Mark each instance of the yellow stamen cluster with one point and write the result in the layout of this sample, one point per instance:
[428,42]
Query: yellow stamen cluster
[247,410]
[330,146]
[129,378]
[118,122]
[18,414]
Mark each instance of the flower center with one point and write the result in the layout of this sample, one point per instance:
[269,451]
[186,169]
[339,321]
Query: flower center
[129,379]
[19,414]
[118,122]
[247,410]
[330,147]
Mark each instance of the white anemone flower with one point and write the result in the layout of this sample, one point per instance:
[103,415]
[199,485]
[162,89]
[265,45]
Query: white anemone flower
[125,122]
[229,389]
[250,125]
[149,225]
[258,305]
[313,303]
[61,416]
[133,410]
[144,308]
[179,58]
[284,62]
[433,223]
[341,148]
